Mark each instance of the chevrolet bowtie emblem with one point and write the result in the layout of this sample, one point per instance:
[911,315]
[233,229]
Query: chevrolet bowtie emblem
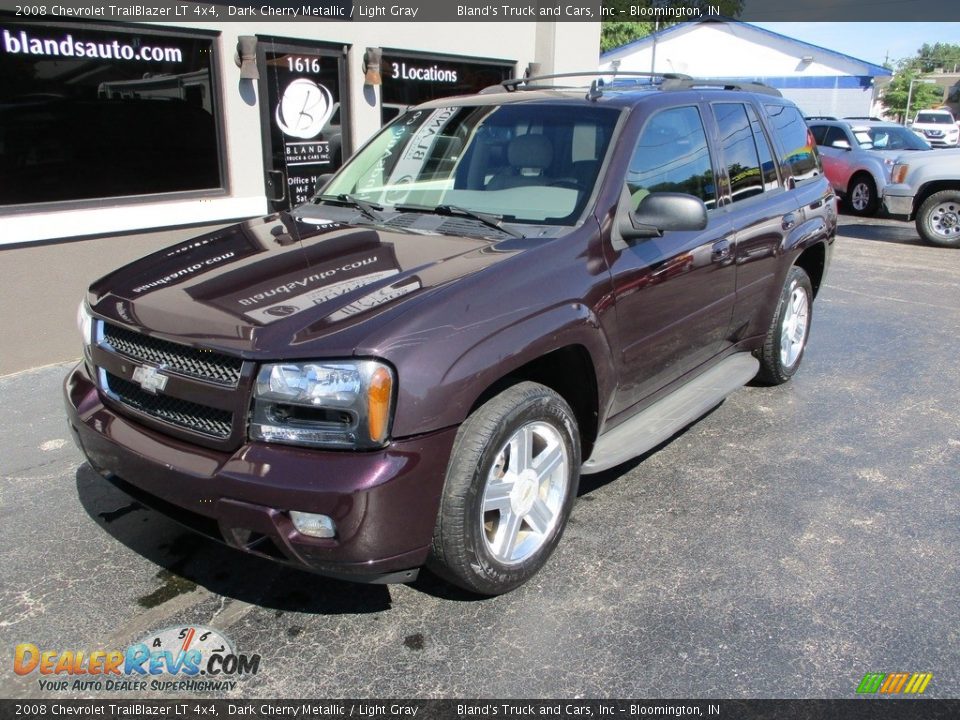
[150,379]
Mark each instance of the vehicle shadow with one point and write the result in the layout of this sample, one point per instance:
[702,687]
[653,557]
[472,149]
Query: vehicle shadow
[187,560]
[901,233]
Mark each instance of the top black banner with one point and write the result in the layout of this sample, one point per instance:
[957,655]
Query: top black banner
[485,10]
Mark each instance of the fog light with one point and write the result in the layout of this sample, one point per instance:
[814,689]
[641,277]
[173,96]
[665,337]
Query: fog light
[313,524]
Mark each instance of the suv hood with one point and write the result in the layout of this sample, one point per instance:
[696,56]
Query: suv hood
[274,285]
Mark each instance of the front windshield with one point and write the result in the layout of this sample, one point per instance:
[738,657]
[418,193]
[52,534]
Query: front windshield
[889,137]
[934,118]
[529,163]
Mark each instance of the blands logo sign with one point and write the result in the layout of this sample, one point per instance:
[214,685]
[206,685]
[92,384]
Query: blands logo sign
[894,683]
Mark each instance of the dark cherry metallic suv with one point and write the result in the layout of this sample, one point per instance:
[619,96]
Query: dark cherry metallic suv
[496,294]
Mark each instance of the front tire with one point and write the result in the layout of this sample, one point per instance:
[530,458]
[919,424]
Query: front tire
[862,196]
[938,221]
[511,482]
[787,337]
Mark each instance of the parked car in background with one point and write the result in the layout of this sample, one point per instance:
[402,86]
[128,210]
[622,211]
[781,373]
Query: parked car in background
[937,127]
[858,156]
[925,187]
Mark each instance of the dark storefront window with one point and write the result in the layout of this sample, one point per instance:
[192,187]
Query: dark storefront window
[413,79]
[104,112]
[304,116]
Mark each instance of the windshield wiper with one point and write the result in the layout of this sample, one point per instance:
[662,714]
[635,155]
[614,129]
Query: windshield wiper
[488,219]
[366,208]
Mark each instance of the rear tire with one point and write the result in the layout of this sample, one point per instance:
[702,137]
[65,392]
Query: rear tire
[862,196]
[511,482]
[786,339]
[938,221]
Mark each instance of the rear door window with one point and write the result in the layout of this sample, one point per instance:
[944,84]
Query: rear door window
[739,150]
[796,141]
[768,166]
[819,132]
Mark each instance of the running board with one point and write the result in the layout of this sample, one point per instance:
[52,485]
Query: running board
[668,415]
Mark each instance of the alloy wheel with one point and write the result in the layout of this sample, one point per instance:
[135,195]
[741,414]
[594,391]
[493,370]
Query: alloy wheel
[524,493]
[793,330]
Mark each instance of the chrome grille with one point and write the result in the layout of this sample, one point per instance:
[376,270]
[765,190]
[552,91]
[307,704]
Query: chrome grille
[176,358]
[182,413]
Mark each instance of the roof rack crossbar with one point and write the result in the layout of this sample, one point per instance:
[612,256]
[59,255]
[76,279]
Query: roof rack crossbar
[668,81]
[688,83]
[515,83]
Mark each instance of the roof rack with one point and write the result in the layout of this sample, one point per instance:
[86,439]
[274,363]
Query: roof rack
[688,83]
[515,84]
[821,117]
[668,81]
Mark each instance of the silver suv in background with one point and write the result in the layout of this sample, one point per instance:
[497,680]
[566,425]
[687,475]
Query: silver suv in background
[937,127]
[858,155]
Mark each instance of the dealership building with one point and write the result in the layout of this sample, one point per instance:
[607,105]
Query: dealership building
[819,80]
[111,127]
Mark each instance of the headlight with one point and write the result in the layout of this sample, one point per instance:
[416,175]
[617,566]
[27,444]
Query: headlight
[337,404]
[899,173]
[85,324]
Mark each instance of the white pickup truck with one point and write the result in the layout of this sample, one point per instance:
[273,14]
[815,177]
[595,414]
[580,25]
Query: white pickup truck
[925,187]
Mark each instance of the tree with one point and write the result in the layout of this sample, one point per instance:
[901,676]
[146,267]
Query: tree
[939,55]
[924,95]
[616,32]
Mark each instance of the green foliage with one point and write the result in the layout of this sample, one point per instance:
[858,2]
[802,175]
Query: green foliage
[894,98]
[622,28]
[617,34]
[927,60]
[938,55]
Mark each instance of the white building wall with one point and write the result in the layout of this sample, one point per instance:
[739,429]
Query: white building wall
[819,81]
[845,102]
[560,47]
[729,50]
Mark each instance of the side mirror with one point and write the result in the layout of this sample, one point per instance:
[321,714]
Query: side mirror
[322,181]
[840,144]
[909,123]
[662,211]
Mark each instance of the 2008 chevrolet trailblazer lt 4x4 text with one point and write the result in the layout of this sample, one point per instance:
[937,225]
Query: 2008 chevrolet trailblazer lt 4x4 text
[496,294]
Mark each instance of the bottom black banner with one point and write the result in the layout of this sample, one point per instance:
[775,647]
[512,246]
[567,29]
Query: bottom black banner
[872,709]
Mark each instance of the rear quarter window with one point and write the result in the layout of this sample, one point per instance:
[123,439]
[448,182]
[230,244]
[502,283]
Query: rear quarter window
[796,142]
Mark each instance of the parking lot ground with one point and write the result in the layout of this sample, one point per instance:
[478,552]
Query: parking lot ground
[787,543]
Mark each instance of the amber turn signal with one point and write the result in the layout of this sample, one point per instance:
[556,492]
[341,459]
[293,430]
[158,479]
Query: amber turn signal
[379,392]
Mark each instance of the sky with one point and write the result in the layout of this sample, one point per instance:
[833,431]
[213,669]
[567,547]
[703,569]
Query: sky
[870,41]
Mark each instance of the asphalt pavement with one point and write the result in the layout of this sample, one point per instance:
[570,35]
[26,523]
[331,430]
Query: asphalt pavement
[789,542]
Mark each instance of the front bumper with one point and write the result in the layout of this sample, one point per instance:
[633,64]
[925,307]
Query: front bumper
[898,201]
[384,503]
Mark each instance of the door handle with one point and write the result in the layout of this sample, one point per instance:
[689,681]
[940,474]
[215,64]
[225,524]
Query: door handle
[721,251]
[789,221]
[276,182]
